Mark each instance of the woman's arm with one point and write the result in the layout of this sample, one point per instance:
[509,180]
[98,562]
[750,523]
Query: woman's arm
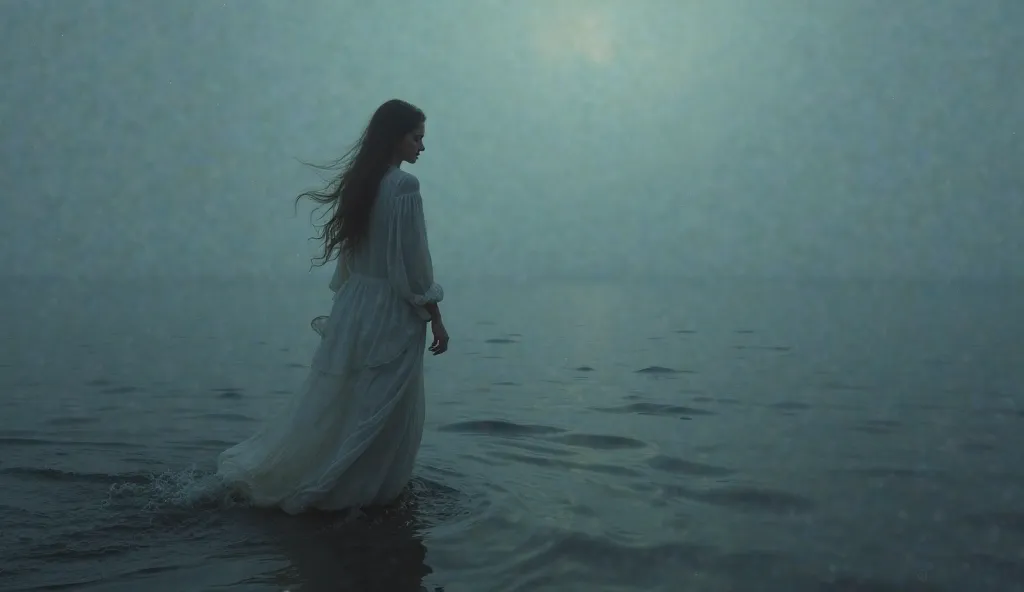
[434,310]
[410,269]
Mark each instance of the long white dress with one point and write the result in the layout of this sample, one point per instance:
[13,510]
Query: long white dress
[349,437]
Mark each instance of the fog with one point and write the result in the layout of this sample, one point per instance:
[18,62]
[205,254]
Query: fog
[572,138]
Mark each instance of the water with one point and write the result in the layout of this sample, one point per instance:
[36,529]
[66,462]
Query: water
[713,436]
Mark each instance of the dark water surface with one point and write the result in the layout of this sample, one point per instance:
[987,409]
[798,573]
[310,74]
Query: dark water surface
[712,436]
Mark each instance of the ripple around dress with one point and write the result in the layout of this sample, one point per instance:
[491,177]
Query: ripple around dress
[350,436]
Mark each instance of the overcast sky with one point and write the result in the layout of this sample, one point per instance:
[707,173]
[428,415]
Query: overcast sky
[670,137]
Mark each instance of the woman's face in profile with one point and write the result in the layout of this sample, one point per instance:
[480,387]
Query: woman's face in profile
[411,146]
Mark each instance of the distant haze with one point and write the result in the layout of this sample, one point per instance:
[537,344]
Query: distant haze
[584,138]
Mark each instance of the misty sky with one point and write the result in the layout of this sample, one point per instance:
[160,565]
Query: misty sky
[669,137]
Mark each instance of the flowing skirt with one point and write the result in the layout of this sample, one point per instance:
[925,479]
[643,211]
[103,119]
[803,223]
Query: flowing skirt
[349,437]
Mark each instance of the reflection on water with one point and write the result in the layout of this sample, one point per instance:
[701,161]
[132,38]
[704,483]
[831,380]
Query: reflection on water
[381,551]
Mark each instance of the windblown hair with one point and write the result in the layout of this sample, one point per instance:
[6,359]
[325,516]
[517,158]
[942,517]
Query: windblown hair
[349,196]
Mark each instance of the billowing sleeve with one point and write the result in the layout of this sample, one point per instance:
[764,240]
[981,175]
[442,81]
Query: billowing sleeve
[410,269]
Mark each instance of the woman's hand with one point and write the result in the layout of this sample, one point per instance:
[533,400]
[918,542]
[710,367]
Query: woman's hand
[440,343]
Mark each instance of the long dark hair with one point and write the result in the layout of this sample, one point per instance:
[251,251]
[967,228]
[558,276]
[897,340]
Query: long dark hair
[350,195]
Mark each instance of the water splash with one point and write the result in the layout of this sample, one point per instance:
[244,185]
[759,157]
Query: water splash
[189,488]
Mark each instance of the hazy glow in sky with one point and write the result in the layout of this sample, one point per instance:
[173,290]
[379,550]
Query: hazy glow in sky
[587,33]
[574,137]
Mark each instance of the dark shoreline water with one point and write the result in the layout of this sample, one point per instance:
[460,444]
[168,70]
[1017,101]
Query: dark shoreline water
[585,436]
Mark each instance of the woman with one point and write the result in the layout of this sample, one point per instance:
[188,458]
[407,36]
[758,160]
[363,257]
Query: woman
[350,436]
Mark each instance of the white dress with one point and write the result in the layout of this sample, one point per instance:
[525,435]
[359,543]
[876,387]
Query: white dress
[350,436]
